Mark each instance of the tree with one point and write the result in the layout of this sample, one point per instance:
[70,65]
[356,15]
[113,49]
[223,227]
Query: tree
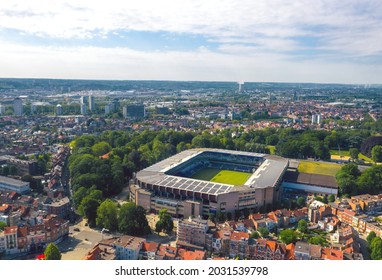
[346,179]
[101,148]
[52,252]
[302,226]
[212,217]
[107,215]
[331,198]
[263,231]
[2,225]
[132,220]
[254,235]
[370,237]
[317,240]
[376,153]
[165,222]
[88,208]
[353,153]
[79,195]
[288,236]
[376,248]
[301,202]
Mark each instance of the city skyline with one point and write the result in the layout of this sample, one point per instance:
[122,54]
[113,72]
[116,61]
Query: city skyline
[299,41]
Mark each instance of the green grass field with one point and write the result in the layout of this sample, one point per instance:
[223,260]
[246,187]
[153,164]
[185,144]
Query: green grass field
[272,149]
[315,167]
[222,176]
[346,154]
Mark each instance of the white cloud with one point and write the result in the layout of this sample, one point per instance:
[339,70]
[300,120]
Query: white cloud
[253,39]
[127,64]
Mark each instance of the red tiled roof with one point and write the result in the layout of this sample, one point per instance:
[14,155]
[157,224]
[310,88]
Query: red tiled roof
[149,246]
[290,252]
[239,236]
[10,230]
[332,254]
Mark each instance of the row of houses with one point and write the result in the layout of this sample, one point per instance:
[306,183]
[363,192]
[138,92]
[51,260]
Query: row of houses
[136,248]
[24,239]
[357,212]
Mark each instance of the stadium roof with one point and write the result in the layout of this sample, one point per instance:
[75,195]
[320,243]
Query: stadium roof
[265,176]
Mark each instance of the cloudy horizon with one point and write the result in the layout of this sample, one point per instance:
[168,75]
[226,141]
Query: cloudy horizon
[318,41]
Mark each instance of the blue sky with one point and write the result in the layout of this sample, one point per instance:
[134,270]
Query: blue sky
[263,40]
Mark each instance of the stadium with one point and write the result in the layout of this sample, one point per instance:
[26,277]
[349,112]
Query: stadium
[203,181]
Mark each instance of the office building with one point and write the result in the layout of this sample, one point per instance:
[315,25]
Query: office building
[18,107]
[91,103]
[134,111]
[59,110]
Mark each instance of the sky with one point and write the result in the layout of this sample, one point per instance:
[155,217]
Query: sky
[319,41]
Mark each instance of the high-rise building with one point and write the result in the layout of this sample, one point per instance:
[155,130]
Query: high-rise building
[91,103]
[59,110]
[83,109]
[316,119]
[18,107]
[241,86]
[134,111]
[84,99]
[108,108]
[2,109]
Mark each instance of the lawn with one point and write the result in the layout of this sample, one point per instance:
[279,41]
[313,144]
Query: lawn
[222,176]
[272,149]
[346,155]
[315,167]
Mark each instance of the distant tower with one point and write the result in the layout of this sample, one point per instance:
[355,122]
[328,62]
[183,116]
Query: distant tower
[295,96]
[83,109]
[108,108]
[59,110]
[18,106]
[84,99]
[316,119]
[241,87]
[33,109]
[91,103]
[2,109]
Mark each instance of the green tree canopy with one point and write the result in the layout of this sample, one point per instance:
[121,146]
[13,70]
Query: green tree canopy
[263,231]
[88,208]
[376,153]
[370,237]
[353,153]
[132,220]
[52,252]
[254,235]
[107,215]
[2,225]
[302,226]
[317,240]
[165,222]
[288,236]
[376,248]
[101,148]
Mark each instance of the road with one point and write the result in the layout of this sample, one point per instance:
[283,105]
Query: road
[78,243]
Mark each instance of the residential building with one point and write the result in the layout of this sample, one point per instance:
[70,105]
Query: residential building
[126,247]
[134,111]
[18,107]
[192,231]
[10,234]
[58,110]
[10,184]
[166,252]
[91,103]
[148,250]
[302,251]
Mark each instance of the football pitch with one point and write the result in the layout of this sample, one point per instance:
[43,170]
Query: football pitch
[222,176]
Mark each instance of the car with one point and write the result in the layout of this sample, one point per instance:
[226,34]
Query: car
[76,229]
